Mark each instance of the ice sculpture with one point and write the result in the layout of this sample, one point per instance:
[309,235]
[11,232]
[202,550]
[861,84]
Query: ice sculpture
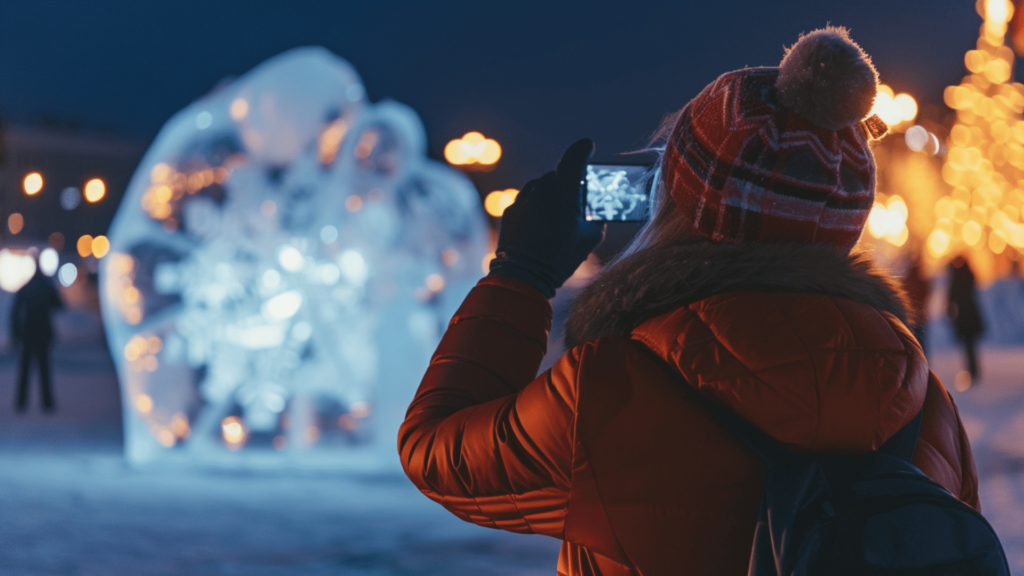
[281,268]
[616,192]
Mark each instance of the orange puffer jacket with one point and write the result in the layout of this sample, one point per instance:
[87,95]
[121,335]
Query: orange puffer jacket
[605,452]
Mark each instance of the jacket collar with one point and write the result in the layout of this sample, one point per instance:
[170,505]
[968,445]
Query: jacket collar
[656,281]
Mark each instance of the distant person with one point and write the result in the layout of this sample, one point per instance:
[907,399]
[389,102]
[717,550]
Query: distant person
[32,330]
[918,289]
[963,311]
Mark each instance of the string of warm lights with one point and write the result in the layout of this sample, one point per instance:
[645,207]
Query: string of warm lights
[985,160]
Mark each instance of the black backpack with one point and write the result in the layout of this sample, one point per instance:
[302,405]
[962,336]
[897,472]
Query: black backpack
[859,515]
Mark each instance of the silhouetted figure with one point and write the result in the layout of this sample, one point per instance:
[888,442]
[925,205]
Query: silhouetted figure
[32,329]
[918,289]
[963,311]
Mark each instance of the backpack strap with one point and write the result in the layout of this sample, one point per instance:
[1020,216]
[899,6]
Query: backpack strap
[903,443]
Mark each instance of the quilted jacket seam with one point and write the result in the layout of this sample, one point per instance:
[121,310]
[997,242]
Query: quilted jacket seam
[500,322]
[449,358]
[597,485]
[750,372]
[814,365]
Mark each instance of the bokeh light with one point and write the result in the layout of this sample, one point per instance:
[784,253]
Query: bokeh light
[984,163]
[894,109]
[48,261]
[496,202]
[234,431]
[56,241]
[472,148]
[67,274]
[84,245]
[95,190]
[16,269]
[15,222]
[100,246]
[32,183]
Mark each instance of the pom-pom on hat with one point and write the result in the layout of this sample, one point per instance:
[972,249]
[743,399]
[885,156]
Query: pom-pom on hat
[781,154]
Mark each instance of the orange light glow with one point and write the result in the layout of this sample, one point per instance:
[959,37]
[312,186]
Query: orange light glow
[472,148]
[233,430]
[450,257]
[15,222]
[496,202]
[100,246]
[435,282]
[160,173]
[487,262]
[938,243]
[366,144]
[143,403]
[84,245]
[32,183]
[180,427]
[331,139]
[894,109]
[95,190]
[239,109]
[166,438]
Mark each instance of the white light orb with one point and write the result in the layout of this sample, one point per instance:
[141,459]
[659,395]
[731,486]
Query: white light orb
[917,138]
[290,258]
[49,261]
[67,274]
[16,269]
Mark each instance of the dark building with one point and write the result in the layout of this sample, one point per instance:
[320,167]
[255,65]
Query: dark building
[64,159]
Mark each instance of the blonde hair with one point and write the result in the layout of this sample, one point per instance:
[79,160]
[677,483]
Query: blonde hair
[667,224]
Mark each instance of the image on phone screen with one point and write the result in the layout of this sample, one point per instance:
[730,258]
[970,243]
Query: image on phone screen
[616,193]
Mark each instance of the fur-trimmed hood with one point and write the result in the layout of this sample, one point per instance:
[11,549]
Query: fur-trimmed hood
[656,281]
[805,343]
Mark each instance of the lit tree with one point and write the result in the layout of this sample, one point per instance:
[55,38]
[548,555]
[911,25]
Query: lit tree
[985,160]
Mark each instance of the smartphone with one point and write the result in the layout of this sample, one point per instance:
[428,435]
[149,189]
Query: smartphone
[617,192]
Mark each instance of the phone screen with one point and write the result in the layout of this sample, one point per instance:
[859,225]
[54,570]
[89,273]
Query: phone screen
[617,193]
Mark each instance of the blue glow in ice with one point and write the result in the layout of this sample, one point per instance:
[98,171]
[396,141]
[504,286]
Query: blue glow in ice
[266,296]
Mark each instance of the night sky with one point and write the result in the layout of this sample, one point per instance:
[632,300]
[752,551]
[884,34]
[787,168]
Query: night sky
[534,76]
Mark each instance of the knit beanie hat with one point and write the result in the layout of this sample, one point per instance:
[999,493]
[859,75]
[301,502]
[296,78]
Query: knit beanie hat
[781,154]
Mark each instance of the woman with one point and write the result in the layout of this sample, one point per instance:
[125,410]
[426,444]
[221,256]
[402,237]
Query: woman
[742,286]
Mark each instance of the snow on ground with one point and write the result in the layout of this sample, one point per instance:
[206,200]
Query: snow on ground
[993,413]
[69,505]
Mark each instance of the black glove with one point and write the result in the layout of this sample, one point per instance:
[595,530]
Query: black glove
[544,236]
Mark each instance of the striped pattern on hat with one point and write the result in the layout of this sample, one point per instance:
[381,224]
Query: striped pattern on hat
[748,169]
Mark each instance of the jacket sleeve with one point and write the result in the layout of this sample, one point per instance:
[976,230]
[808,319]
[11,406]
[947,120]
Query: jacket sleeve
[483,437]
[943,449]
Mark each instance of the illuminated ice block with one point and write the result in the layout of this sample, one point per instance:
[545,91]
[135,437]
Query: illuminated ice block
[281,267]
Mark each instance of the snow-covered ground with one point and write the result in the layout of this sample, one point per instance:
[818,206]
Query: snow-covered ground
[69,505]
[993,413]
